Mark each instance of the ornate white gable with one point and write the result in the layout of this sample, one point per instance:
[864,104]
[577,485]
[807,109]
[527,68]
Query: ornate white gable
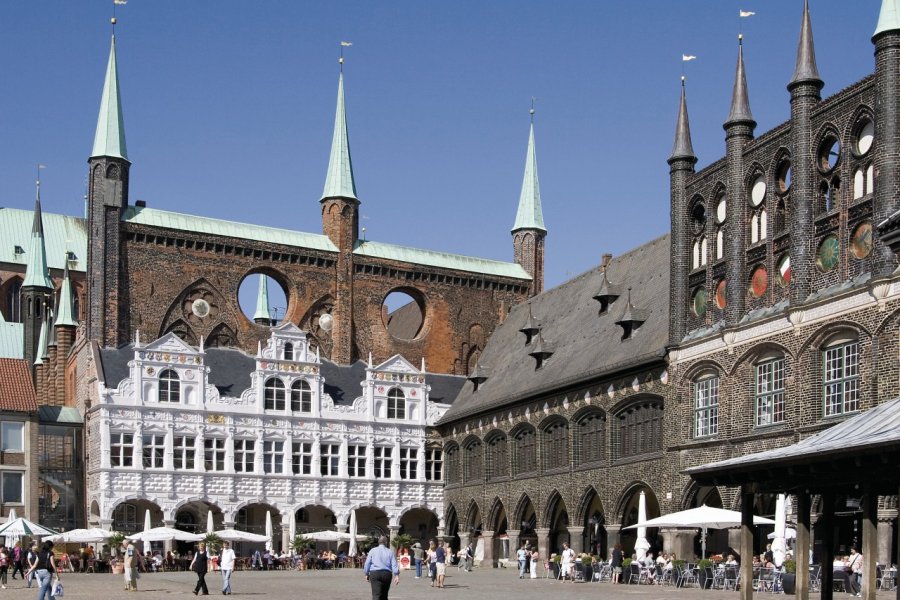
[169,343]
[396,364]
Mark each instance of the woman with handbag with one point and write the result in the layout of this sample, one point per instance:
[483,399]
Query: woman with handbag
[44,570]
[199,565]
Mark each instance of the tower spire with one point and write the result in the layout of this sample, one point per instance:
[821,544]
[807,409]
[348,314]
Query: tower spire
[65,315]
[339,182]
[740,102]
[889,17]
[36,272]
[109,140]
[682,148]
[806,69]
[263,315]
[530,215]
[43,343]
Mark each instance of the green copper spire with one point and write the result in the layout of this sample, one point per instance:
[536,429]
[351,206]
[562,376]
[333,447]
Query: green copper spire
[339,181]
[65,313]
[530,215]
[262,302]
[889,18]
[36,272]
[42,344]
[110,137]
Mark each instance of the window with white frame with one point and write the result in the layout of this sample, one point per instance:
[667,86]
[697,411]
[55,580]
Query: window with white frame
[301,397]
[841,381]
[273,456]
[154,450]
[434,464]
[169,386]
[409,463]
[12,436]
[121,449]
[12,484]
[301,458]
[214,454]
[356,460]
[183,447]
[329,460]
[383,460]
[244,456]
[396,404]
[770,392]
[288,351]
[706,406]
[274,394]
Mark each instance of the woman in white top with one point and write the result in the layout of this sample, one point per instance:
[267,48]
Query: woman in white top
[226,566]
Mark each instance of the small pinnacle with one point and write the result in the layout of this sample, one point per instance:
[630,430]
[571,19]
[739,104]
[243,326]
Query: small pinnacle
[682,79]
[113,21]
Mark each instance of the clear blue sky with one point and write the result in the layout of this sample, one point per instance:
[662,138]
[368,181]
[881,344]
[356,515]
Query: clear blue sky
[229,107]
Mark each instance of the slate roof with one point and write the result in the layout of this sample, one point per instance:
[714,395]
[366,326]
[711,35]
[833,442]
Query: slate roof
[16,389]
[585,345]
[230,372]
[405,322]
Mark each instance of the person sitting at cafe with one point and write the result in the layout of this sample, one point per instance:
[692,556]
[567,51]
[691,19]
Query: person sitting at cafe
[731,561]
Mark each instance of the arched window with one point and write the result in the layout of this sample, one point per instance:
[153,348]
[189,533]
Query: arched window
[169,386]
[125,518]
[639,428]
[763,224]
[695,263]
[769,398]
[301,396]
[288,351]
[859,180]
[720,244]
[396,405]
[704,250]
[497,457]
[451,464]
[274,394]
[14,301]
[525,457]
[474,463]
[706,405]
[841,376]
[870,179]
[590,439]
[555,445]
[754,228]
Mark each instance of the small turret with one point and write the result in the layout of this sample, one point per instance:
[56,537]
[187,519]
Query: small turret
[528,230]
[262,316]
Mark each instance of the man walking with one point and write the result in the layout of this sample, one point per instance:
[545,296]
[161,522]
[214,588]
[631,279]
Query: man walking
[522,557]
[380,564]
[226,565]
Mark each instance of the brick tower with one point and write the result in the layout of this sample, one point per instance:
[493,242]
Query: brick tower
[887,125]
[528,231]
[107,198]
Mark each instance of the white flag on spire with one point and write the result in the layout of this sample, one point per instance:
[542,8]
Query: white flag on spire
[687,57]
[120,2]
[346,44]
[747,13]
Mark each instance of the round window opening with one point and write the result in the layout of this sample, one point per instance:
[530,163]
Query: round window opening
[721,300]
[263,300]
[829,154]
[865,138]
[698,217]
[403,315]
[758,191]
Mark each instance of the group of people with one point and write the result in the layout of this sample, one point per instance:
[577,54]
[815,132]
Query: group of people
[527,558]
[35,565]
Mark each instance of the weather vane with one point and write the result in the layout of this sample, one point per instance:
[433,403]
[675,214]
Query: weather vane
[112,20]
[341,59]
[531,112]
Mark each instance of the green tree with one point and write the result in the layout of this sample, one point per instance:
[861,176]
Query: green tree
[401,540]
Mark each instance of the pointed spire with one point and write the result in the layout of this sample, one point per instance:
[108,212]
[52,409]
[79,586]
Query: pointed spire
[65,313]
[889,18]
[530,215]
[36,271]
[262,301]
[42,344]
[370,360]
[806,69]
[109,140]
[682,147]
[339,182]
[740,102]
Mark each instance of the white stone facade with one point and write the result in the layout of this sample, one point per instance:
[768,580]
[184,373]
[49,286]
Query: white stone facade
[267,446]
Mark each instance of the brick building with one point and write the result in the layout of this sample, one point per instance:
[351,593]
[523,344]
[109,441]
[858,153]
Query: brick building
[19,490]
[782,319]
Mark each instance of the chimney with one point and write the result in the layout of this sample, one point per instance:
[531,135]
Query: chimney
[140,203]
[604,262]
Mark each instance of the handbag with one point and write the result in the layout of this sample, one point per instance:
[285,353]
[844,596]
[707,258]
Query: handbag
[57,591]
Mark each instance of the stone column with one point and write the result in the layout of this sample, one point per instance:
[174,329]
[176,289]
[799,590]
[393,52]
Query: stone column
[801,555]
[488,537]
[613,531]
[463,540]
[679,541]
[285,536]
[869,541]
[394,531]
[576,539]
[885,535]
[543,540]
[513,544]
[746,542]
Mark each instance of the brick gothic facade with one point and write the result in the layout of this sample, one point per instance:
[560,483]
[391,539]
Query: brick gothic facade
[785,314]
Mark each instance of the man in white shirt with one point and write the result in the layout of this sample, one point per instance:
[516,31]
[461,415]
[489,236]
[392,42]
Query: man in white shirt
[226,565]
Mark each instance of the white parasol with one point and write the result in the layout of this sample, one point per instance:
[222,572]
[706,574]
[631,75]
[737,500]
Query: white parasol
[22,526]
[641,545]
[353,527]
[148,525]
[81,536]
[233,535]
[269,542]
[209,522]
[779,544]
[163,534]
[293,526]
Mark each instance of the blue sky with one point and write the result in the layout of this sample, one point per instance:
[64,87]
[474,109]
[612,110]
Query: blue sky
[229,107]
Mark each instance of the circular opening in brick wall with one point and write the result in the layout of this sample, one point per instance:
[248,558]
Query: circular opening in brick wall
[829,153]
[262,298]
[403,313]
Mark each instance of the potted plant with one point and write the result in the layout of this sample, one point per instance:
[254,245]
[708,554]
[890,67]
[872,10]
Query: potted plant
[789,577]
[705,573]
[554,565]
[401,540]
[213,542]
[300,544]
[115,544]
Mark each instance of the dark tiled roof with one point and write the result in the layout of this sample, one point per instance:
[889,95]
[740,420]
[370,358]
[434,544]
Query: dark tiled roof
[16,387]
[229,371]
[584,344]
[405,322]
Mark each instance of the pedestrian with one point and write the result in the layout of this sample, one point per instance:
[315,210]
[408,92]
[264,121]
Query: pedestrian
[18,560]
[855,566]
[469,557]
[534,561]
[418,556]
[440,559]
[199,565]
[568,562]
[432,561]
[522,557]
[616,563]
[380,564]
[129,563]
[31,558]
[44,569]
[226,565]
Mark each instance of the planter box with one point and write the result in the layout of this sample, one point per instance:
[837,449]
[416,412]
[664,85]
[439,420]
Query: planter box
[118,569]
[789,583]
